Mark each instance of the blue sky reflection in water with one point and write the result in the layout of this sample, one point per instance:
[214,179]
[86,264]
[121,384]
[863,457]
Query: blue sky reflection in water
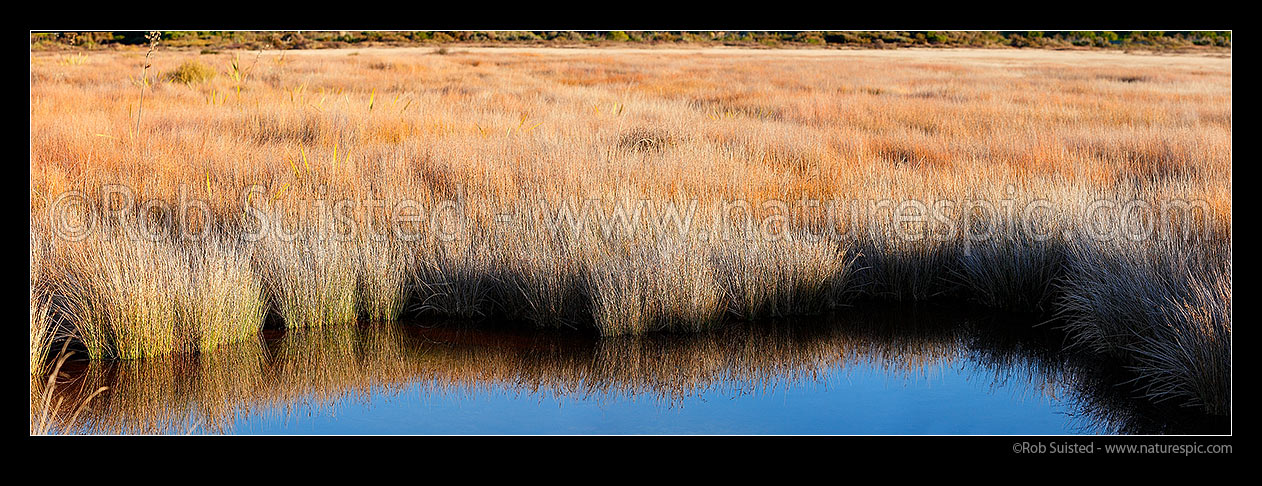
[955,399]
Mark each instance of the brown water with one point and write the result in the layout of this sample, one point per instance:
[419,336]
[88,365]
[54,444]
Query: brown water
[924,370]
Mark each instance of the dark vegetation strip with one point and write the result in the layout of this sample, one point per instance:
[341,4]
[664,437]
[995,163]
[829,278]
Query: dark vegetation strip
[210,40]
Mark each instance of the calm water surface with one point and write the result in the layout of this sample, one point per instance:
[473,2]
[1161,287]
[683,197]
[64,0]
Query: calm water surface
[911,371]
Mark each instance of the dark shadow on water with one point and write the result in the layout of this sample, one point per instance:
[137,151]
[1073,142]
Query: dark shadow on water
[287,375]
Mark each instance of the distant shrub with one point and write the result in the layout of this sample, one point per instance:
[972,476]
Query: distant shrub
[664,37]
[617,36]
[808,38]
[191,72]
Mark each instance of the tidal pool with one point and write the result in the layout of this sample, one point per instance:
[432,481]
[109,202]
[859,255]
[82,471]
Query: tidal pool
[922,370]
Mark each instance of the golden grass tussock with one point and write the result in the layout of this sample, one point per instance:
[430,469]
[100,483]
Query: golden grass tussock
[521,171]
[131,298]
[310,281]
[1166,307]
[43,328]
[190,72]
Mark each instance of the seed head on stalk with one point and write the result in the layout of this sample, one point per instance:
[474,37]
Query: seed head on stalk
[152,37]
